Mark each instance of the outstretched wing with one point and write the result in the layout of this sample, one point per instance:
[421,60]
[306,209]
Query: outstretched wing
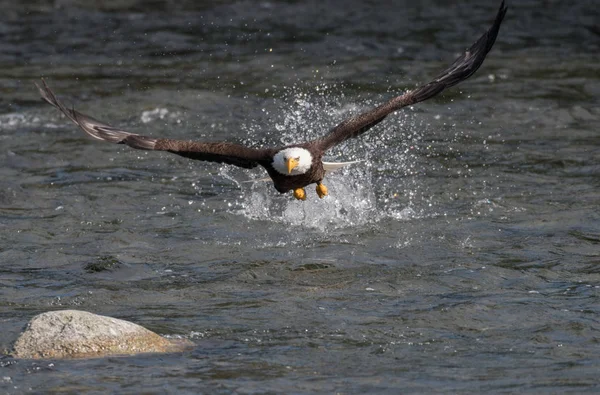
[460,70]
[220,152]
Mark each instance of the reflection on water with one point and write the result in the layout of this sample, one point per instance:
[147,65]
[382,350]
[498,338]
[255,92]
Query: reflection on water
[461,254]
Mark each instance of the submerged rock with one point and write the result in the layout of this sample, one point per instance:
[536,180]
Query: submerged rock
[79,334]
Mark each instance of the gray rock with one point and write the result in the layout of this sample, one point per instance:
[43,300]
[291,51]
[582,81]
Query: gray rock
[79,334]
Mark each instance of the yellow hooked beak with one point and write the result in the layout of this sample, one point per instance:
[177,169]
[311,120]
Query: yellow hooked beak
[291,164]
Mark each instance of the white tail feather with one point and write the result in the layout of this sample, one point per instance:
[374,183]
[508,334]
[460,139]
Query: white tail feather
[333,166]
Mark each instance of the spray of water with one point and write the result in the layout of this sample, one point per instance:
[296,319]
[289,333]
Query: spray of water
[351,202]
[384,185]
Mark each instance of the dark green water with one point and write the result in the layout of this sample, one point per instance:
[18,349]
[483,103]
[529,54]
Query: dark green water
[462,255]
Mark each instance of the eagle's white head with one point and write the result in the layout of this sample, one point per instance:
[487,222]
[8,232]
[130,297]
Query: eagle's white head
[292,161]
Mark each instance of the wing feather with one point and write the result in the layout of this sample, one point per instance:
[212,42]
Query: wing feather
[460,70]
[220,152]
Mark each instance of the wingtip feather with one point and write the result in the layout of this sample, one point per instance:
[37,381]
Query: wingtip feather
[93,127]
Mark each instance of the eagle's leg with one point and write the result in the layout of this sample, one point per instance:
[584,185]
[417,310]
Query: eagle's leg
[300,194]
[321,190]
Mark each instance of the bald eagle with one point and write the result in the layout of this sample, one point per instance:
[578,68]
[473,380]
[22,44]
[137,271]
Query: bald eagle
[295,166]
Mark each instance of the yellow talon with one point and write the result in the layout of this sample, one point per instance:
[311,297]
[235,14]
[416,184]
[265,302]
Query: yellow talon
[321,190]
[300,194]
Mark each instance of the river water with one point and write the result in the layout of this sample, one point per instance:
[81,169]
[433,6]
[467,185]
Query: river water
[461,255]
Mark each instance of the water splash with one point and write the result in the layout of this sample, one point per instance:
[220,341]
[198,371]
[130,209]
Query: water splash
[351,202]
[383,186]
